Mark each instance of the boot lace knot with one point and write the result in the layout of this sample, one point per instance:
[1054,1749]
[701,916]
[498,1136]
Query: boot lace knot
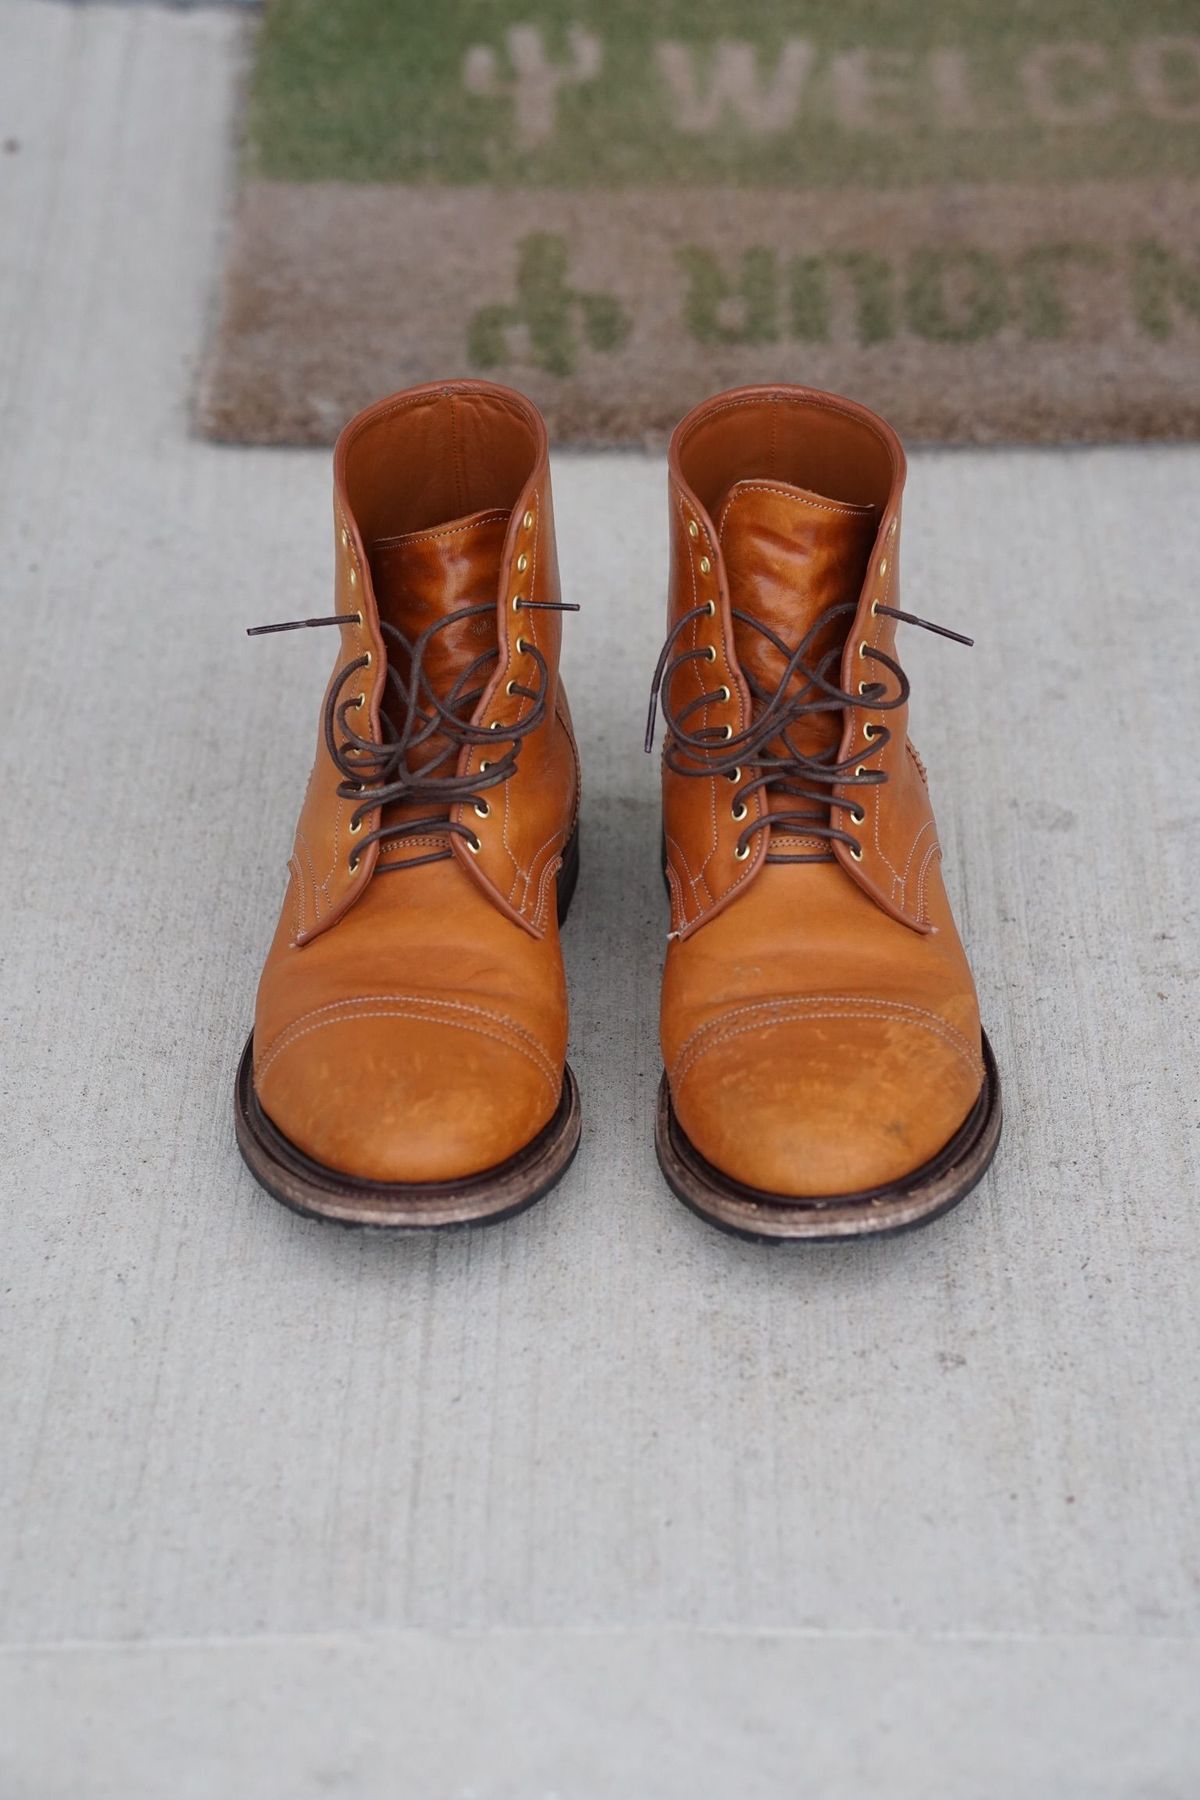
[764,758]
[392,772]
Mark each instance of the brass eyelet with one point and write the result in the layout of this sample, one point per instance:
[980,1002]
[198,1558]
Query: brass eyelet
[739,811]
[522,647]
[518,600]
[874,609]
[743,853]
[527,521]
[693,528]
[728,731]
[864,685]
[733,775]
[483,767]
[705,565]
[522,563]
[857,814]
[711,653]
[724,694]
[883,564]
[711,609]
[482,810]
[510,687]
[359,700]
[352,863]
[862,770]
[869,732]
[864,649]
[367,659]
[474,844]
[353,575]
[345,538]
[355,827]
[358,618]
[495,724]
[856,852]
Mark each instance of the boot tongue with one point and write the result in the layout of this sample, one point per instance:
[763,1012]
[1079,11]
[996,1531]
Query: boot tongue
[426,575]
[790,554]
[420,578]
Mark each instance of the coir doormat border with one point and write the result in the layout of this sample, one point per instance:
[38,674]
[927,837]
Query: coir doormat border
[621,208]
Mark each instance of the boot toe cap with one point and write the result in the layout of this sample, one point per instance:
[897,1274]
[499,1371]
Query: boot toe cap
[833,1099]
[407,1095]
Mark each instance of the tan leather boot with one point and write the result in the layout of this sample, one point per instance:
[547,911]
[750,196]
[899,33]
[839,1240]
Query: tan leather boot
[826,1074]
[407,1066]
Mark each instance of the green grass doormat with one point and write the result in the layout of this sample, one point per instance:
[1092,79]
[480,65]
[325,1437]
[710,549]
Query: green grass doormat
[981,218]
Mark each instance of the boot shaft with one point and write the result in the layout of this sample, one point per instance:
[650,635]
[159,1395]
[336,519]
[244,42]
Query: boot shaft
[446,575]
[785,520]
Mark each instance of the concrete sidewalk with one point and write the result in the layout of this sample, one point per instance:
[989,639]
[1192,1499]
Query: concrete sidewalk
[599,1504]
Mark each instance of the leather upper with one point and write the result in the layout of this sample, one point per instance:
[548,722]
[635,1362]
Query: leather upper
[411,1017]
[820,1029]
[408,465]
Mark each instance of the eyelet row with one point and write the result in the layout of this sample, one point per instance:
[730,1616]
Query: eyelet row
[518,600]
[481,809]
[858,813]
[724,696]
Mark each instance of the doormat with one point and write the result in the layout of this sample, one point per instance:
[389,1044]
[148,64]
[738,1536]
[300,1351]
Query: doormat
[982,220]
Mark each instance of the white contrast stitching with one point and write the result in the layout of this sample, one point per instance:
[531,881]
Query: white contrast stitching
[875,1012]
[849,508]
[424,1018]
[781,1003]
[349,1006]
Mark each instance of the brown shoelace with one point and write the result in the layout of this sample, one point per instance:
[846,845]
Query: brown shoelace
[379,775]
[748,759]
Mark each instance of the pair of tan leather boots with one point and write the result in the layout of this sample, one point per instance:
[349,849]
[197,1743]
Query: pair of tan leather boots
[826,1074]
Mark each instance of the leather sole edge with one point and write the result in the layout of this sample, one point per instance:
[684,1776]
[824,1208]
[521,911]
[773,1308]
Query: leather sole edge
[317,1192]
[925,1195]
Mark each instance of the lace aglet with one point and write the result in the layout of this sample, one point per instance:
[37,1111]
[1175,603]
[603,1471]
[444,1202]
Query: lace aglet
[302,624]
[893,612]
[651,721]
[957,637]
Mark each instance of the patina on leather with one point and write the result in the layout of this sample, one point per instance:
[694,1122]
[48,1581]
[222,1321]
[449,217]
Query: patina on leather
[820,1029]
[411,1017]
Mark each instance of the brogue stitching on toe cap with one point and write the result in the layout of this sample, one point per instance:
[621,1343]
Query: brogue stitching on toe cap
[776,1003]
[402,1006]
[769,1014]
